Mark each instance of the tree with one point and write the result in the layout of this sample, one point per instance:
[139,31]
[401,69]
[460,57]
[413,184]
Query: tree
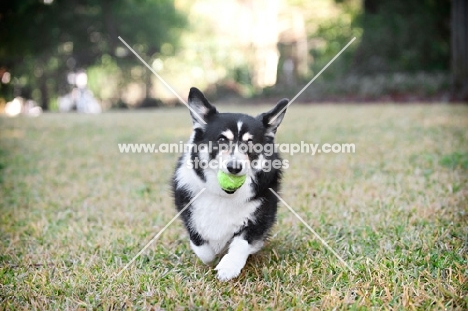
[460,49]
[402,35]
[42,40]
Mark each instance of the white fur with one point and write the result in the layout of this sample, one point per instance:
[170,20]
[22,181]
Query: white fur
[216,216]
[235,155]
[228,134]
[247,136]
[239,126]
[204,252]
[232,263]
[187,176]
[198,110]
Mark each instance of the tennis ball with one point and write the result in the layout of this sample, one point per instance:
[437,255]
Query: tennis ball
[230,182]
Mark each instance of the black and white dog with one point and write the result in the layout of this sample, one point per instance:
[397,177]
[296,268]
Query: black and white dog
[233,223]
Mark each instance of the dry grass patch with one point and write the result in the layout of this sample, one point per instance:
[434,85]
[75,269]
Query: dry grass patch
[74,211]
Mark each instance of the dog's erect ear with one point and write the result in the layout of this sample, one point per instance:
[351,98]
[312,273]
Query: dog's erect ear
[272,119]
[200,108]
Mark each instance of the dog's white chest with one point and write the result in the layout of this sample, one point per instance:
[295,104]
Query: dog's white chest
[217,218]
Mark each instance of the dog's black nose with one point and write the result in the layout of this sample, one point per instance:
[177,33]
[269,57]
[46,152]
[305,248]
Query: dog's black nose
[234,167]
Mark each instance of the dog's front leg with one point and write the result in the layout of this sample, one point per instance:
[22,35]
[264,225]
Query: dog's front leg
[232,263]
[204,252]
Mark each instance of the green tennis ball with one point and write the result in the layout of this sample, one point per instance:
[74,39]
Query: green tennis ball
[230,182]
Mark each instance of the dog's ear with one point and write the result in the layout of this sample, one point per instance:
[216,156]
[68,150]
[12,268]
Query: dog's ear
[272,119]
[200,108]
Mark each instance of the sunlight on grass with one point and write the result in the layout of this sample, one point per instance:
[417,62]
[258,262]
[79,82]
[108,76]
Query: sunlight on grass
[74,211]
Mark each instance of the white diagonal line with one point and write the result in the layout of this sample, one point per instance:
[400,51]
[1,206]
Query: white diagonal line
[159,233]
[313,231]
[313,79]
[162,80]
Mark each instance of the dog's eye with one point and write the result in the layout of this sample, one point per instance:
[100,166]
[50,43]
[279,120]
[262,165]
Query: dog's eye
[222,139]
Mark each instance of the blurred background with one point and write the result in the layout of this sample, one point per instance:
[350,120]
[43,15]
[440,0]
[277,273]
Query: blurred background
[65,55]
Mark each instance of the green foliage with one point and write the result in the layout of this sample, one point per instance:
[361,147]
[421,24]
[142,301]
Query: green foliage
[104,77]
[404,36]
[393,36]
[455,160]
[332,35]
[42,42]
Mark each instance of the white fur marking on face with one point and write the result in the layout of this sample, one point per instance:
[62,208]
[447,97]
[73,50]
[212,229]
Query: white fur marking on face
[204,252]
[247,136]
[228,134]
[239,126]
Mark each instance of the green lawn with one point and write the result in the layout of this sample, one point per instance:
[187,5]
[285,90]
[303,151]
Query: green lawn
[74,211]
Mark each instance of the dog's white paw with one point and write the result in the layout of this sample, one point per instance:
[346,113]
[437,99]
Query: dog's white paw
[228,269]
[204,252]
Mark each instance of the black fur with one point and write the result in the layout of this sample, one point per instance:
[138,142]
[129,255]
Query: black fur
[265,215]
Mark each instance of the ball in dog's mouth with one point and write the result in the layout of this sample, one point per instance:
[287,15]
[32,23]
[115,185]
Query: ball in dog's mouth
[230,183]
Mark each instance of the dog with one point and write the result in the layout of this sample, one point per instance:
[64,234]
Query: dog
[231,224]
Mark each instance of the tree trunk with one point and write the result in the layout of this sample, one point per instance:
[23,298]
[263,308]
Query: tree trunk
[44,93]
[371,6]
[459,50]
[148,83]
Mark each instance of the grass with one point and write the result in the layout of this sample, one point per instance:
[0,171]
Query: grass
[74,211]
